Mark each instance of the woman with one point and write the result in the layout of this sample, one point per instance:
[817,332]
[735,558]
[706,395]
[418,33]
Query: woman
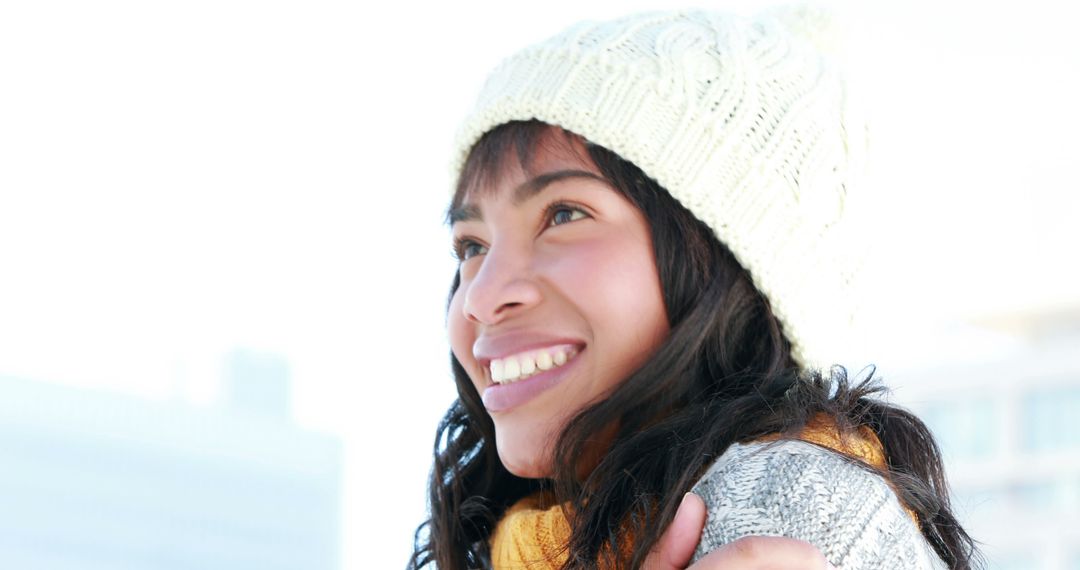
[649,223]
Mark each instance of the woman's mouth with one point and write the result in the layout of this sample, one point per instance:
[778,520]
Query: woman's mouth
[525,364]
[518,378]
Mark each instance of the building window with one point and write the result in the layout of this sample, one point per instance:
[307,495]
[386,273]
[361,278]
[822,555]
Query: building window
[1045,496]
[965,429]
[1017,561]
[1051,419]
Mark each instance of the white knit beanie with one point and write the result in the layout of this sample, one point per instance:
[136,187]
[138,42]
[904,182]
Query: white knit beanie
[744,121]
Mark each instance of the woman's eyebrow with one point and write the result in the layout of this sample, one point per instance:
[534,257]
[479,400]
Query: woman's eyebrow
[534,186]
[463,213]
[522,193]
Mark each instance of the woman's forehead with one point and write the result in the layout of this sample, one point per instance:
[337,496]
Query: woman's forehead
[517,151]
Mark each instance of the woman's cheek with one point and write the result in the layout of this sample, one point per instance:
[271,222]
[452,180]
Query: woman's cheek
[610,271]
[576,264]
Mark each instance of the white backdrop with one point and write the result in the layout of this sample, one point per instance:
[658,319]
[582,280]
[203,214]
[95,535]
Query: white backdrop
[179,178]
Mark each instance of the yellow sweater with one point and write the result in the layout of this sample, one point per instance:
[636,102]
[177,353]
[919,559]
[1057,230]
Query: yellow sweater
[534,532]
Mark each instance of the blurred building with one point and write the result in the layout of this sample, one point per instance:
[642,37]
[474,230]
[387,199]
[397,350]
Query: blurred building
[99,480]
[1009,427]
[257,384]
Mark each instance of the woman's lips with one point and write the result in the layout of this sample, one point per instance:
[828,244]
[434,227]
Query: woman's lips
[502,397]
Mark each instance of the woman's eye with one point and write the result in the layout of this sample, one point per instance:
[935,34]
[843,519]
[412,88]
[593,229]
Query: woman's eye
[565,214]
[467,248]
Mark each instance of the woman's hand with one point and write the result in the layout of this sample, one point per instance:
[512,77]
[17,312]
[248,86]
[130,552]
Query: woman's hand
[676,547]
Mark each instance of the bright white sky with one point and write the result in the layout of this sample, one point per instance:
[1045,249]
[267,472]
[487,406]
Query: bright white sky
[177,179]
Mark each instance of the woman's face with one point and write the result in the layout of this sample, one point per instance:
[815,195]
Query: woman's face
[559,299]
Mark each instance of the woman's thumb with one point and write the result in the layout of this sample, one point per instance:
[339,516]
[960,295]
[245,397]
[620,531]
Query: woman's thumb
[676,546]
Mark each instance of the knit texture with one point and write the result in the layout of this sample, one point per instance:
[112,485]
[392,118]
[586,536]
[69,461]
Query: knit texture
[800,490]
[532,535]
[808,492]
[744,122]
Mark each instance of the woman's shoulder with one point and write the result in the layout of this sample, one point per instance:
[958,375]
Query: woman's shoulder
[801,490]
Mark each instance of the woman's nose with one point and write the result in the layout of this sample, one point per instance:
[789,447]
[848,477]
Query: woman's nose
[504,286]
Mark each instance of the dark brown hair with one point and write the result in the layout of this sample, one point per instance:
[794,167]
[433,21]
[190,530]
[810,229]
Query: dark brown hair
[724,375]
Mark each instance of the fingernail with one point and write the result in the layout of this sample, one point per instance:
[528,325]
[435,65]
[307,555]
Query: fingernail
[681,503]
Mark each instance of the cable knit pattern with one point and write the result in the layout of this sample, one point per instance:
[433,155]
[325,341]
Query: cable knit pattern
[744,121]
[799,490]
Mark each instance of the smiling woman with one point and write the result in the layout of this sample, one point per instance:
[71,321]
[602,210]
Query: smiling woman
[558,281]
[649,223]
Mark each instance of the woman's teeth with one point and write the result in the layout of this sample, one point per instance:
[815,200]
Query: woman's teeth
[518,366]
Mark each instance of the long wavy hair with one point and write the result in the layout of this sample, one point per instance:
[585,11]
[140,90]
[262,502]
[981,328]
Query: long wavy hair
[725,374]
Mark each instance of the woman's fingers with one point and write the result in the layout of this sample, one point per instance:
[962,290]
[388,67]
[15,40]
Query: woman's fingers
[765,553]
[676,547]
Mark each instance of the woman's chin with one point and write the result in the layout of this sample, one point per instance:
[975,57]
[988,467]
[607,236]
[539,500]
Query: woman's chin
[527,472]
[525,464]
